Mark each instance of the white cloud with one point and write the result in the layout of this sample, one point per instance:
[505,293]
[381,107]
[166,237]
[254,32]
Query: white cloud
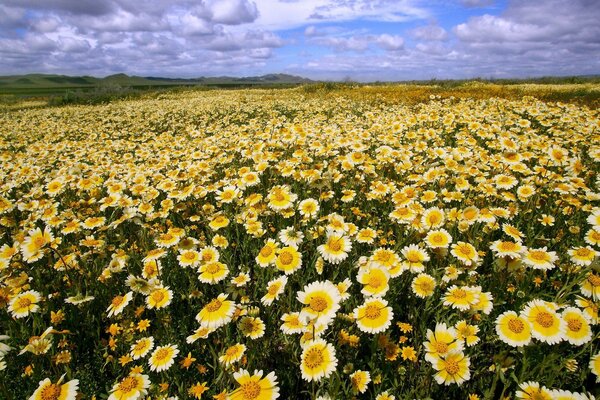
[232,12]
[429,32]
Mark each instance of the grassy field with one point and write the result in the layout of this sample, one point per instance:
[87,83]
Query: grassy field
[326,241]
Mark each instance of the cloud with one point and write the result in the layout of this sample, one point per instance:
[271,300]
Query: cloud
[476,3]
[361,43]
[233,12]
[429,32]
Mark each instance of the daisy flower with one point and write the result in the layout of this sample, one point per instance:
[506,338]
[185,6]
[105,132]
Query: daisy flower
[132,387]
[590,287]
[513,329]
[252,327]
[56,391]
[163,357]
[321,300]
[583,256]
[467,333]
[433,218]
[374,279]
[141,347]
[578,330]
[317,360]
[32,247]
[461,298]
[218,222]
[213,272]
[415,257]
[373,316]
[288,260]
[595,365]
[336,249]
[509,249]
[119,303]
[465,253]
[217,313]
[423,285]
[366,235]
[360,380]
[255,387]
[438,239]
[267,254]
[159,298]
[291,237]
[308,208]
[275,288]
[388,259]
[546,324]
[292,323]
[540,258]
[189,258]
[441,342]
[232,354]
[24,304]
[533,391]
[281,198]
[240,280]
[452,368]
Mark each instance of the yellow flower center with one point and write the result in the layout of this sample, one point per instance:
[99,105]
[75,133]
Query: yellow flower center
[214,305]
[266,251]
[538,255]
[459,294]
[318,304]
[413,256]
[232,351]
[250,390]
[516,325]
[545,319]
[213,268]
[127,384]
[372,311]
[375,281]
[39,241]
[438,238]
[24,302]
[441,347]
[507,246]
[158,296]
[140,346]
[574,325]
[583,252]
[286,258]
[464,250]
[279,196]
[314,358]
[117,301]
[273,289]
[51,392]
[452,367]
[161,355]
[205,257]
[594,279]
[334,244]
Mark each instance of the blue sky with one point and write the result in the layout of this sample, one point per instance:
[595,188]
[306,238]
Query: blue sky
[363,40]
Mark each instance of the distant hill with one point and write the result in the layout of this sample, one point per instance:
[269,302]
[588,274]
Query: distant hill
[32,81]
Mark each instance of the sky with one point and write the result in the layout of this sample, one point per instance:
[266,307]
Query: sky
[361,40]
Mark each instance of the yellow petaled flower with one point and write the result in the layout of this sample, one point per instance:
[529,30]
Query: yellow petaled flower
[591,286]
[318,360]
[438,239]
[252,327]
[200,333]
[546,324]
[373,316]
[119,303]
[255,387]
[433,218]
[503,248]
[578,330]
[533,391]
[423,285]
[267,254]
[467,332]
[513,329]
[336,249]
[409,353]
[288,260]
[275,288]
[198,389]
[56,391]
[441,342]
[159,298]
[540,258]
[321,300]
[583,255]
[366,235]
[24,303]
[360,380]
[465,253]
[374,280]
[387,259]
[189,258]
[142,347]
[209,255]
[232,354]
[132,387]
[217,313]
[281,198]
[33,246]
[414,258]
[163,357]
[460,297]
[213,272]
[595,365]
[218,222]
[452,368]
[589,308]
[292,323]
[308,208]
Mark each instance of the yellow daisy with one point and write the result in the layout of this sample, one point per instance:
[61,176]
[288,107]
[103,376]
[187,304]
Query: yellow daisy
[578,331]
[465,253]
[217,313]
[213,272]
[308,208]
[513,329]
[374,280]
[467,332]
[414,258]
[452,368]
[373,316]
[255,387]
[141,347]
[252,327]
[33,246]
[218,222]
[533,391]
[318,360]
[24,304]
[336,249]
[163,357]
[540,258]
[275,288]
[119,303]
[423,285]
[189,258]
[132,387]
[267,254]
[159,298]
[321,300]
[461,298]
[281,198]
[360,380]
[292,323]
[232,354]
[441,342]
[595,365]
[546,324]
[288,260]
[583,255]
[438,239]
[56,391]
[591,286]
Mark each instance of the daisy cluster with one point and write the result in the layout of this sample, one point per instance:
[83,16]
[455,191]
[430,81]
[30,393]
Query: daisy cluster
[263,244]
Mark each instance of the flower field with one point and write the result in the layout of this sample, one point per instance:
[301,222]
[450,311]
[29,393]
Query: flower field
[263,244]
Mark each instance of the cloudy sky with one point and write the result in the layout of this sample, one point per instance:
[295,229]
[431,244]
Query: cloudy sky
[322,39]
